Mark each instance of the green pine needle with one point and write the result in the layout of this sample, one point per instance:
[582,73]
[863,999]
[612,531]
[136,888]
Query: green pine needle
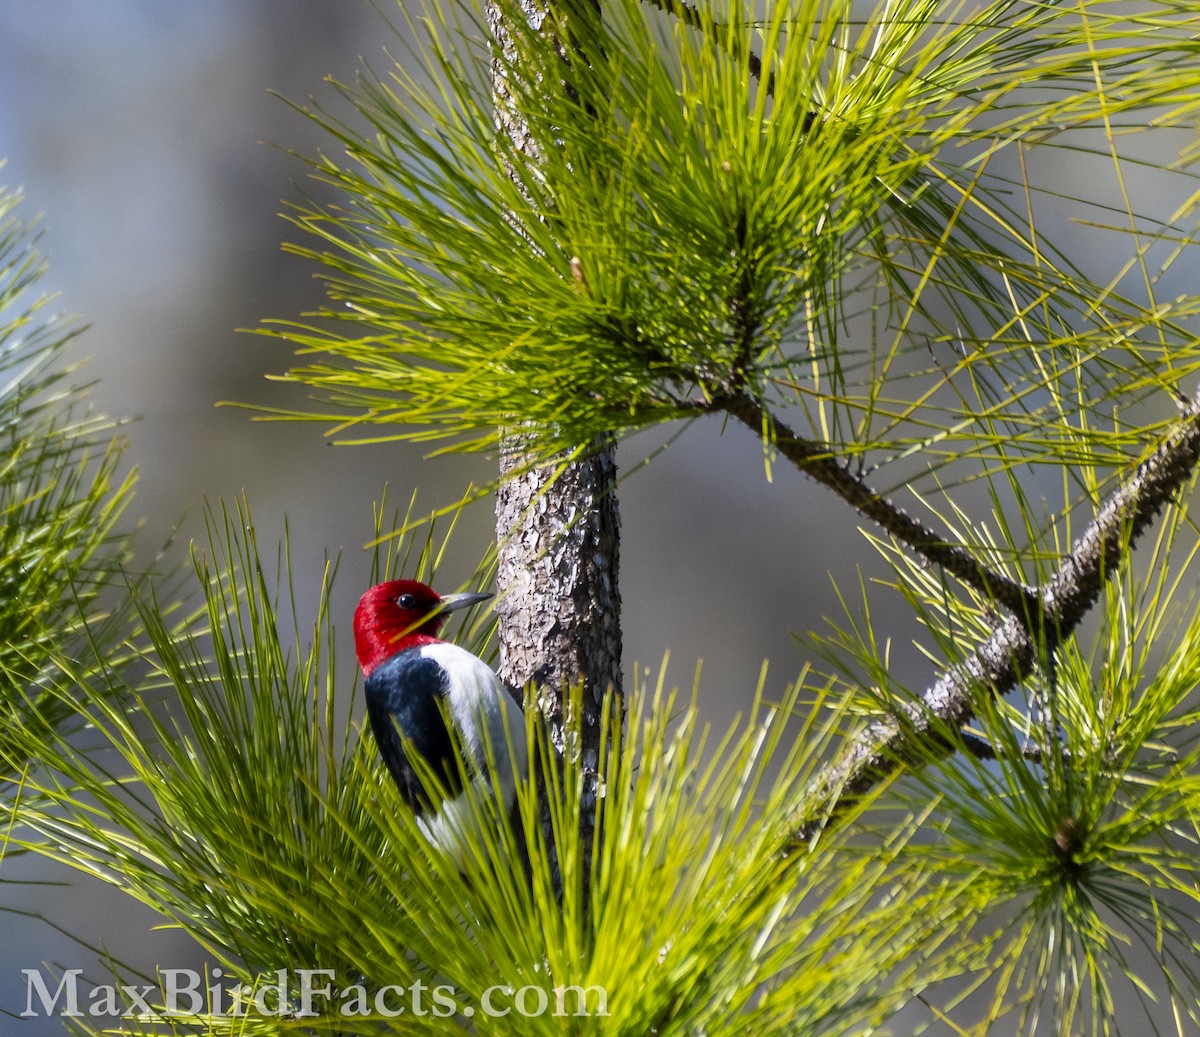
[219,791]
[705,203]
[1070,849]
[62,494]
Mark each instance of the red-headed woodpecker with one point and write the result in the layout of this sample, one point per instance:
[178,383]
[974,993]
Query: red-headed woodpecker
[415,683]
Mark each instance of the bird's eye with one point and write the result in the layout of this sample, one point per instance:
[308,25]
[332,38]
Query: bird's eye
[406,601]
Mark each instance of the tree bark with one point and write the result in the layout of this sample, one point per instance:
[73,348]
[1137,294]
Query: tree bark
[558,533]
[559,609]
[559,603]
[557,524]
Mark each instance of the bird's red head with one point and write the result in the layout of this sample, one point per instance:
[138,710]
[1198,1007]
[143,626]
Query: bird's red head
[401,614]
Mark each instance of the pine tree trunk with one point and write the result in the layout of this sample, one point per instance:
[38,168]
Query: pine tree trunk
[559,610]
[559,602]
[558,536]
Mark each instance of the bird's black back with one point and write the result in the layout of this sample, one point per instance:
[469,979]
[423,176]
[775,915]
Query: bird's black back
[406,697]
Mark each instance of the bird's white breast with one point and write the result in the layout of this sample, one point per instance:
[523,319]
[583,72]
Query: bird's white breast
[491,728]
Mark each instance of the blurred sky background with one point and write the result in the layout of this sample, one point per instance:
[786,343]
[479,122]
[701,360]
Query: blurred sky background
[144,134]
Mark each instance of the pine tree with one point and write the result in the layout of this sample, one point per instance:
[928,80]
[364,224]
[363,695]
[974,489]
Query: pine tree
[824,225]
[61,496]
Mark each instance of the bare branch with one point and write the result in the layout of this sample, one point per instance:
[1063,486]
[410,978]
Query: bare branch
[817,460]
[885,746]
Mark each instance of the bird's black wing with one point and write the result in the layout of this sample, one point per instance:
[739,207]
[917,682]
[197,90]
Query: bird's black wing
[406,701]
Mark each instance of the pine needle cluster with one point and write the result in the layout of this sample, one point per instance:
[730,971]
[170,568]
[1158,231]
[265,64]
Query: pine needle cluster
[820,223]
[62,491]
[822,212]
[217,791]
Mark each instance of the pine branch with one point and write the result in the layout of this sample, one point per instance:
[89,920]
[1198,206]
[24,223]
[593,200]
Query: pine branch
[997,665]
[982,749]
[816,460]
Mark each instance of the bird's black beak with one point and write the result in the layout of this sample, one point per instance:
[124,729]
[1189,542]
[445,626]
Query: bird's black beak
[453,602]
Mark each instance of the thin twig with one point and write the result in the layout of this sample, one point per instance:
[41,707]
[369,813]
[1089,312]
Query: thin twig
[817,460]
[886,746]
